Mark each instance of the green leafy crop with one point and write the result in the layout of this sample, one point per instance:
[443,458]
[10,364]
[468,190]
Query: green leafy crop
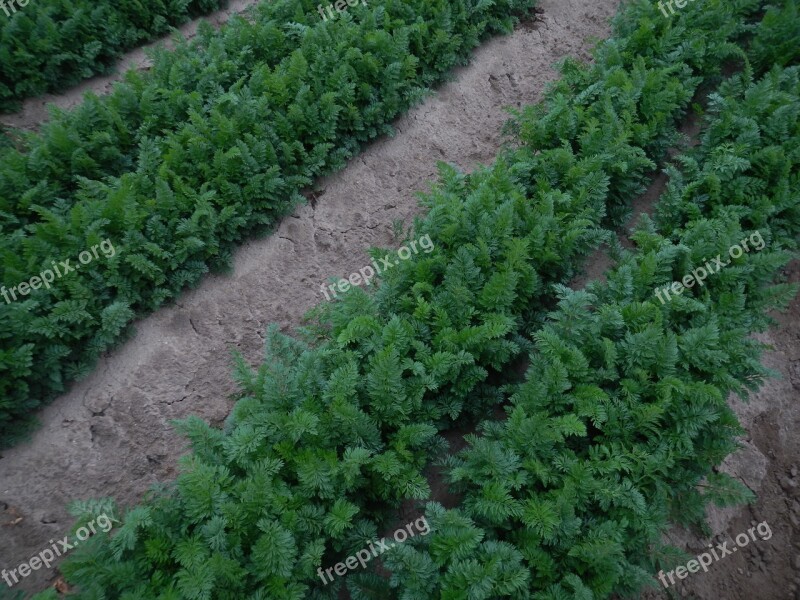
[623,414]
[178,164]
[335,429]
[614,431]
[51,44]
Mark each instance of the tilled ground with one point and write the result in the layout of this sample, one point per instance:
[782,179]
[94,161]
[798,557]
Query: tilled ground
[111,434]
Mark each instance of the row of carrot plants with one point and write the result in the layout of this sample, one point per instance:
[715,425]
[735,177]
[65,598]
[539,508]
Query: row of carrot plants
[614,434]
[47,46]
[178,164]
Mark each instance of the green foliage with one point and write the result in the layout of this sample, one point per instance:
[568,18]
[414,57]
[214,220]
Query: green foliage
[46,46]
[724,490]
[745,167]
[623,414]
[617,425]
[620,417]
[620,106]
[178,164]
[327,436]
[353,418]
[778,43]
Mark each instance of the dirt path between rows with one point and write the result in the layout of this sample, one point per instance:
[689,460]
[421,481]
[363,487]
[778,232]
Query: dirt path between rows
[35,110]
[111,436]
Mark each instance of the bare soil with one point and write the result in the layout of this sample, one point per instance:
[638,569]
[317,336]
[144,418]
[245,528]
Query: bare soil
[111,434]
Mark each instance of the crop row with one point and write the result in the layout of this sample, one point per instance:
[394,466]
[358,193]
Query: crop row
[334,431]
[624,413]
[177,165]
[46,46]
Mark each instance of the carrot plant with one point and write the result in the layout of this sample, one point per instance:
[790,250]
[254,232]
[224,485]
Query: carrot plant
[335,429]
[179,164]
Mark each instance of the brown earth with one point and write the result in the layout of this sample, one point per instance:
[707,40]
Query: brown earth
[111,434]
